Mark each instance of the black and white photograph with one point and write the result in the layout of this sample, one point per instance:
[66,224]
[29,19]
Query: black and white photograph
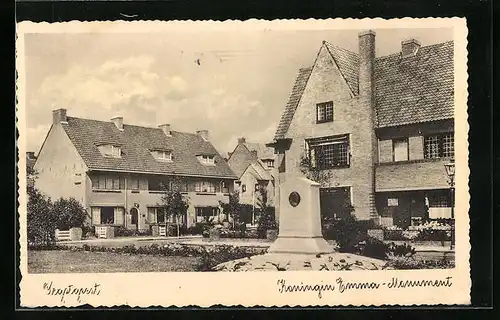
[183,154]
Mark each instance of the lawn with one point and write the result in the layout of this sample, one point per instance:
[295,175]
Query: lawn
[61,261]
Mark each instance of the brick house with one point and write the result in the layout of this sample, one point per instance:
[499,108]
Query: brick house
[253,164]
[116,170]
[381,128]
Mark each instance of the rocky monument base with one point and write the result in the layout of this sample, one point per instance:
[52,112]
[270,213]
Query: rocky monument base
[302,262]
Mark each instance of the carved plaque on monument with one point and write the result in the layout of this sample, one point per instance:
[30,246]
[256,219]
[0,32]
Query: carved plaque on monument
[300,219]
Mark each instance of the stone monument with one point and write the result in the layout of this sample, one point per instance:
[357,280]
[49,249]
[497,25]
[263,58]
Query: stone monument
[300,219]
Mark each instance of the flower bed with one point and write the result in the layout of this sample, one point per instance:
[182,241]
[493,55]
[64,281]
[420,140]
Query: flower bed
[429,231]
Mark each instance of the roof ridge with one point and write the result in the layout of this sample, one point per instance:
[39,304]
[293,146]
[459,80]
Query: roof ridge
[340,48]
[422,47]
[131,125]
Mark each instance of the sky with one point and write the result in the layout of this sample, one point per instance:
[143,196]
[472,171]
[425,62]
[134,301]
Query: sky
[234,84]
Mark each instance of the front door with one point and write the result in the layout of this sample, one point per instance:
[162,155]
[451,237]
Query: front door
[135,217]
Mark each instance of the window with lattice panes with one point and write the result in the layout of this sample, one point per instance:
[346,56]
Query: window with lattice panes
[439,146]
[324,112]
[328,152]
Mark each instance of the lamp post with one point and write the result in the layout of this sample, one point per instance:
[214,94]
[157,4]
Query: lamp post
[450,171]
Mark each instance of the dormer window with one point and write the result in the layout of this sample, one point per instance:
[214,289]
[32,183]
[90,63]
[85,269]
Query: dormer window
[269,163]
[110,150]
[207,159]
[162,155]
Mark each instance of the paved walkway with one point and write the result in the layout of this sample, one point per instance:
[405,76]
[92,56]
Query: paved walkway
[200,241]
[123,241]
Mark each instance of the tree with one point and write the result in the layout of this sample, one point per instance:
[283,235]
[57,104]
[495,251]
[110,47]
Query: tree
[314,173]
[70,213]
[41,220]
[232,208]
[266,220]
[173,202]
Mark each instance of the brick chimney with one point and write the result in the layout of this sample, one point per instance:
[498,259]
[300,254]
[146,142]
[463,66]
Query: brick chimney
[118,121]
[409,47]
[366,63]
[59,116]
[165,128]
[30,155]
[242,140]
[204,134]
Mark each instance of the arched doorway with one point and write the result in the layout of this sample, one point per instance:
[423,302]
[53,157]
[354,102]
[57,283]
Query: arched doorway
[135,217]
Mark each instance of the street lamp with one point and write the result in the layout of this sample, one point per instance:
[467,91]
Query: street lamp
[450,171]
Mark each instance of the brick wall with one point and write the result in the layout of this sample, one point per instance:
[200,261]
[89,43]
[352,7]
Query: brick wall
[352,115]
[425,174]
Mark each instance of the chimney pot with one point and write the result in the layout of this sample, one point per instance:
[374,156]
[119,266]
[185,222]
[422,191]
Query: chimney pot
[118,121]
[241,140]
[59,116]
[366,63]
[409,47]
[30,155]
[166,129]
[204,134]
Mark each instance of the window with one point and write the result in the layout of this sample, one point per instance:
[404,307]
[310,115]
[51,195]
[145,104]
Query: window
[205,186]
[269,163]
[400,149]
[324,112]
[243,188]
[392,202]
[109,150]
[205,214]
[223,186]
[162,155]
[108,182]
[158,184]
[438,146]
[329,152]
[108,215]
[134,184]
[156,214]
[439,199]
[206,159]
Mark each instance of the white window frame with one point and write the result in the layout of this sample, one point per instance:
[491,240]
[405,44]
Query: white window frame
[395,155]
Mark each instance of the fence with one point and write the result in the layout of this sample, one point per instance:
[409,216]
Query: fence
[67,235]
[162,231]
[63,235]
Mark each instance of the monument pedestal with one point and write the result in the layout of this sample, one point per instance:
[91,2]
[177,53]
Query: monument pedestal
[300,219]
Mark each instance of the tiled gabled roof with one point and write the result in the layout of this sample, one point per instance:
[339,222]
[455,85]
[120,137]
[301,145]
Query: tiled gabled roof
[263,152]
[136,143]
[293,102]
[348,64]
[415,89]
[408,90]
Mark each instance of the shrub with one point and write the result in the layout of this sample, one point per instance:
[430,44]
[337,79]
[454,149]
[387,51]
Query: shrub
[347,232]
[41,220]
[195,230]
[70,213]
[410,263]
[210,257]
[403,250]
[372,248]
[267,221]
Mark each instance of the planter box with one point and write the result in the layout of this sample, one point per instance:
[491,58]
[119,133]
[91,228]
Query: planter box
[155,231]
[75,234]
